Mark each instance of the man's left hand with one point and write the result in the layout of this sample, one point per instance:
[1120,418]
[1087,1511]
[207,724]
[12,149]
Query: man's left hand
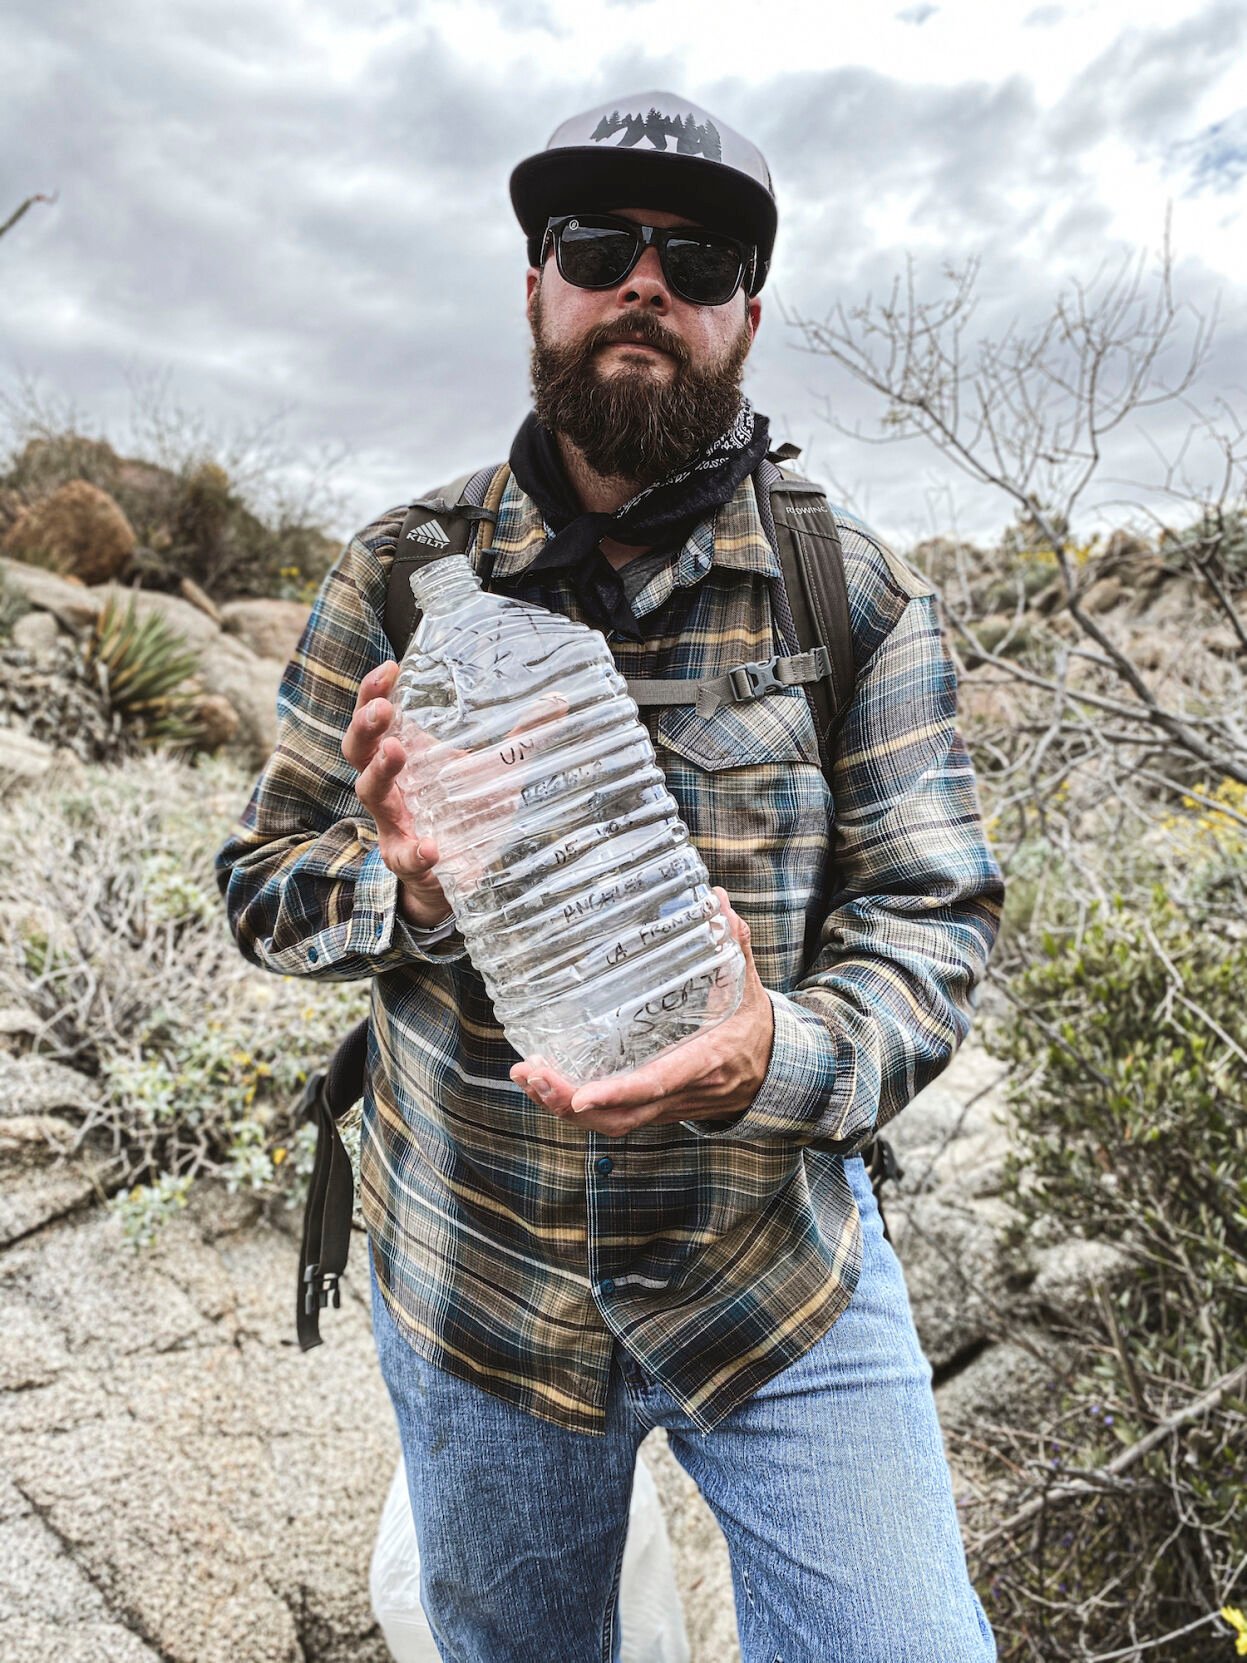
[713,1076]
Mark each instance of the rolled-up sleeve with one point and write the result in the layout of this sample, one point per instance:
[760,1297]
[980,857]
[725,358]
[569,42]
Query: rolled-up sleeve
[915,908]
[306,890]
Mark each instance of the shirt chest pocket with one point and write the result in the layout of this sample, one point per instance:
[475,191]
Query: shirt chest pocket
[750,788]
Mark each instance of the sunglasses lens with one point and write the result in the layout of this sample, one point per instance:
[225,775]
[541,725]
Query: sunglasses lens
[702,270]
[705,273]
[593,256]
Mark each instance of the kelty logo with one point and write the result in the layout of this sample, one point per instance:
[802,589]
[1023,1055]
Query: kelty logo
[430,532]
[692,138]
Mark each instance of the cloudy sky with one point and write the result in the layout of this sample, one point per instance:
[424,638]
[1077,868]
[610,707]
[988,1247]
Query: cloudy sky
[298,211]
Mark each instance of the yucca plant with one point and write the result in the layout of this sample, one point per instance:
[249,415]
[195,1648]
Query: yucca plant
[140,662]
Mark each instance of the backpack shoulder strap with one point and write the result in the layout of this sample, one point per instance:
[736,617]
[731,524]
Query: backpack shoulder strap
[804,535]
[812,610]
[326,1242]
[441,522]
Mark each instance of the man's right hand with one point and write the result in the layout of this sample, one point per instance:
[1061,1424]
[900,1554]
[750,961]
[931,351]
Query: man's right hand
[379,760]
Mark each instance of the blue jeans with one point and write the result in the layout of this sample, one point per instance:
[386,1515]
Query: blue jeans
[830,1484]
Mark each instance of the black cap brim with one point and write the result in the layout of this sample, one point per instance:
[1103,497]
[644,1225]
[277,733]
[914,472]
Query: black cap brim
[577,179]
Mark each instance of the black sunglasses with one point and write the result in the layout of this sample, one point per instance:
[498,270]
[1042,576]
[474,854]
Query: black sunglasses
[597,251]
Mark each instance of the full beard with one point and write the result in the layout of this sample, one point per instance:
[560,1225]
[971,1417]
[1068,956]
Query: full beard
[633,424]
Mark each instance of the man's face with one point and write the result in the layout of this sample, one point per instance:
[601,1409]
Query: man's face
[638,378]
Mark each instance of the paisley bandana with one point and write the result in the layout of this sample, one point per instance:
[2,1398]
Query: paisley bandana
[660,514]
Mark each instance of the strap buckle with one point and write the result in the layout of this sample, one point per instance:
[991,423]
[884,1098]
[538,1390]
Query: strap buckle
[320,1288]
[820,657]
[751,681]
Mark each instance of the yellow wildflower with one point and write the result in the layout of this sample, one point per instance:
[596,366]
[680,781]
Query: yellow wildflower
[279,1156]
[1238,1623]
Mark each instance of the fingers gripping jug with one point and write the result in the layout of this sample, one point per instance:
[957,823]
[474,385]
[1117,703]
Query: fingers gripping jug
[581,901]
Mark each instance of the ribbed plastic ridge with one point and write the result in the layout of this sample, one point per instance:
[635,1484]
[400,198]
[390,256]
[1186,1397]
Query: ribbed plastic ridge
[444,584]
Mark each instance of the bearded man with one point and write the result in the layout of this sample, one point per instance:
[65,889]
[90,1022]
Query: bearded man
[694,1244]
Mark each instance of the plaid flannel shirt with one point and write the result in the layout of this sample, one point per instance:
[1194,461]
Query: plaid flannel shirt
[515,1248]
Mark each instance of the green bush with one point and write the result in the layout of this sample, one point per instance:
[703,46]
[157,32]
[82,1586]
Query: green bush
[1129,1059]
[1216,541]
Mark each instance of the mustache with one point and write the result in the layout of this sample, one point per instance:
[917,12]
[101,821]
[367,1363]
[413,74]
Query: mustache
[641,328]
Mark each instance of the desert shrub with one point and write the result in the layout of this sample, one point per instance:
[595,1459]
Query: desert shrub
[218,509]
[1128,1042]
[47,461]
[216,538]
[1215,541]
[109,695]
[113,936]
[139,663]
[1007,636]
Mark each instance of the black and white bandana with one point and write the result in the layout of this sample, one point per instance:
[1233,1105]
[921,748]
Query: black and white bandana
[660,515]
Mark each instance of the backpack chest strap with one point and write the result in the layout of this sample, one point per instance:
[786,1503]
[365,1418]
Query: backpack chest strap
[735,686]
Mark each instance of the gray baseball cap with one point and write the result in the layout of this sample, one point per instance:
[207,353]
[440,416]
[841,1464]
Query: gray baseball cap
[652,150]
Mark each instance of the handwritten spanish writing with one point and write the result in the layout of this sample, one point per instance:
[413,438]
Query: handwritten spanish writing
[577,842]
[646,934]
[596,900]
[680,862]
[511,754]
[645,1018]
[566,779]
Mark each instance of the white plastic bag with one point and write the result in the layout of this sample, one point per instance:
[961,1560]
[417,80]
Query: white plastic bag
[649,1602]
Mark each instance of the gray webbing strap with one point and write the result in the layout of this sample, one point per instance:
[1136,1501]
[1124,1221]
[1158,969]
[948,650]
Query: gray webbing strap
[744,681]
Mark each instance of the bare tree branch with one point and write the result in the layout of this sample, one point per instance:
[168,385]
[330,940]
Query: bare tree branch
[24,208]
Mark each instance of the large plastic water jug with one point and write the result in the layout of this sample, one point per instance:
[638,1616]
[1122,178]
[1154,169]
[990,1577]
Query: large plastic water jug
[582,903]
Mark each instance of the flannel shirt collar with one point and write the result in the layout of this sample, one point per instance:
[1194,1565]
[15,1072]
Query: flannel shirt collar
[733,536]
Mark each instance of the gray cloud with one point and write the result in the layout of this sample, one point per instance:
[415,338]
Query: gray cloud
[269,235]
[982,171]
[1216,158]
[532,14]
[1145,85]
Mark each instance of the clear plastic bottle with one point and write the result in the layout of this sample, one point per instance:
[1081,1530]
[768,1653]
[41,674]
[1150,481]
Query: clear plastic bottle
[582,903]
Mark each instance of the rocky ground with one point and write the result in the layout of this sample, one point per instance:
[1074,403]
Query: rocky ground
[181,1482]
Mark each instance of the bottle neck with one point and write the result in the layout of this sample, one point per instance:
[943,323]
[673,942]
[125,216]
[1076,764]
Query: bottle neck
[444,584]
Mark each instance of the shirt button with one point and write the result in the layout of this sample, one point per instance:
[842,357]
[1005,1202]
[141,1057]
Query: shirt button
[606,1286]
[604,1164]
[313,954]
